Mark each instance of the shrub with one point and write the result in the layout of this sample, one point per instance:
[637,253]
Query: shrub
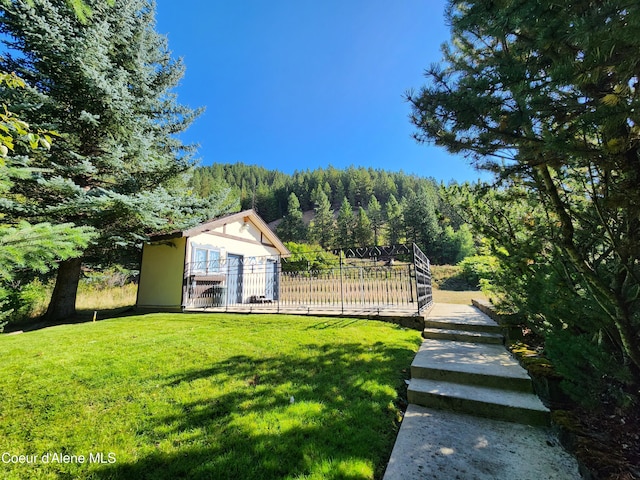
[590,376]
[479,270]
[449,277]
[305,257]
[112,277]
[23,302]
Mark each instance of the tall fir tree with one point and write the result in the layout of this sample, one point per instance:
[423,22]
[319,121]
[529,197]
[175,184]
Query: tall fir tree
[292,227]
[362,230]
[26,247]
[421,221]
[395,221]
[374,212]
[345,223]
[105,85]
[322,228]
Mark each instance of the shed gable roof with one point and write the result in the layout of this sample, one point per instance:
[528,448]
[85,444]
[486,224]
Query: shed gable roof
[245,215]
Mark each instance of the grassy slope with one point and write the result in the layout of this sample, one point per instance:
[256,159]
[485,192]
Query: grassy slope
[205,396]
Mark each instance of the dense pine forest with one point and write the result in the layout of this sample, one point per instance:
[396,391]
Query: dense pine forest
[355,206]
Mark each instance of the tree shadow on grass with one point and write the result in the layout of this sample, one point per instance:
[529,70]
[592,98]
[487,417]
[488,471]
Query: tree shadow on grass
[81,316]
[341,322]
[340,421]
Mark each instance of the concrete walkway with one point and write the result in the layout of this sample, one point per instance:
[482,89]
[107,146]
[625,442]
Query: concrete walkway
[472,412]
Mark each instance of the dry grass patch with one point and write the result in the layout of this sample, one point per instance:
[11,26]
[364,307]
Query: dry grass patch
[95,298]
[461,298]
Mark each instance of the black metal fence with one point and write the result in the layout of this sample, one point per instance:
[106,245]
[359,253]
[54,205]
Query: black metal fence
[377,279]
[423,279]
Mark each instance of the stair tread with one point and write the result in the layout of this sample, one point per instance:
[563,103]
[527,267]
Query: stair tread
[470,333]
[459,314]
[495,396]
[477,358]
[458,325]
[463,336]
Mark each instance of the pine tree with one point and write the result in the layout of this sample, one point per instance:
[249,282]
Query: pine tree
[421,220]
[545,94]
[316,196]
[395,221]
[322,227]
[384,187]
[23,246]
[117,164]
[362,231]
[346,224]
[374,211]
[363,187]
[338,192]
[292,227]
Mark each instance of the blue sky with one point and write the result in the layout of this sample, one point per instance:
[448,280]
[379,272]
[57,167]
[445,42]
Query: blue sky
[296,84]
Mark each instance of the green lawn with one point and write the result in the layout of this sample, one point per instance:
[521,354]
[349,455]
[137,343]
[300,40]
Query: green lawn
[187,396]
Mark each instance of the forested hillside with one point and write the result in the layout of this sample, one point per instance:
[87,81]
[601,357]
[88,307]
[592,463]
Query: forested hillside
[356,206]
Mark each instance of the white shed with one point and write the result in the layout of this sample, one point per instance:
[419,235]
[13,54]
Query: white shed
[229,260]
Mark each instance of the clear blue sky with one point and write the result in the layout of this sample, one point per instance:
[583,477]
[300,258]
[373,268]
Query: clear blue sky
[295,84]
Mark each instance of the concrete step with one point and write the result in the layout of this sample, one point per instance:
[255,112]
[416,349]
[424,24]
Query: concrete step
[510,406]
[462,335]
[489,326]
[486,365]
[437,445]
[465,315]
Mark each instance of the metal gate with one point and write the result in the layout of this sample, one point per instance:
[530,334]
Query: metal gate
[423,279]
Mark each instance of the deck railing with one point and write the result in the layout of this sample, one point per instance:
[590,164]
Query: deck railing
[423,279]
[364,284]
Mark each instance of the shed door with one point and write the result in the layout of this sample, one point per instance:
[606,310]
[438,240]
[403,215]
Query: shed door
[234,278]
[271,290]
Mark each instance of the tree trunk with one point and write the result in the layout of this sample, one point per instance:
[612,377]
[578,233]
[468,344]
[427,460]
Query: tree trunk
[63,299]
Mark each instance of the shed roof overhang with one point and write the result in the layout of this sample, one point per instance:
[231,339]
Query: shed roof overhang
[244,216]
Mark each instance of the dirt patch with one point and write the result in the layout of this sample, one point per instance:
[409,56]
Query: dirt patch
[607,445]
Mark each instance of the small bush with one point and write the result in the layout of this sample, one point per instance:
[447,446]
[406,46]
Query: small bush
[591,376]
[111,278]
[449,277]
[479,270]
[33,299]
[306,257]
[23,302]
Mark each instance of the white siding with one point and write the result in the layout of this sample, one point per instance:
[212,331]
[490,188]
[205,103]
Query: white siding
[246,241]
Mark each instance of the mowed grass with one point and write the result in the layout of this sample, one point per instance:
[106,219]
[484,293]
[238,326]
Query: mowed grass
[203,396]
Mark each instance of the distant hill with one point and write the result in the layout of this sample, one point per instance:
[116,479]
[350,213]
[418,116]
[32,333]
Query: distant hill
[421,214]
[268,190]
[307,216]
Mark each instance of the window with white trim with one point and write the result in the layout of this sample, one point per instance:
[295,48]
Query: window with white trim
[205,259]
